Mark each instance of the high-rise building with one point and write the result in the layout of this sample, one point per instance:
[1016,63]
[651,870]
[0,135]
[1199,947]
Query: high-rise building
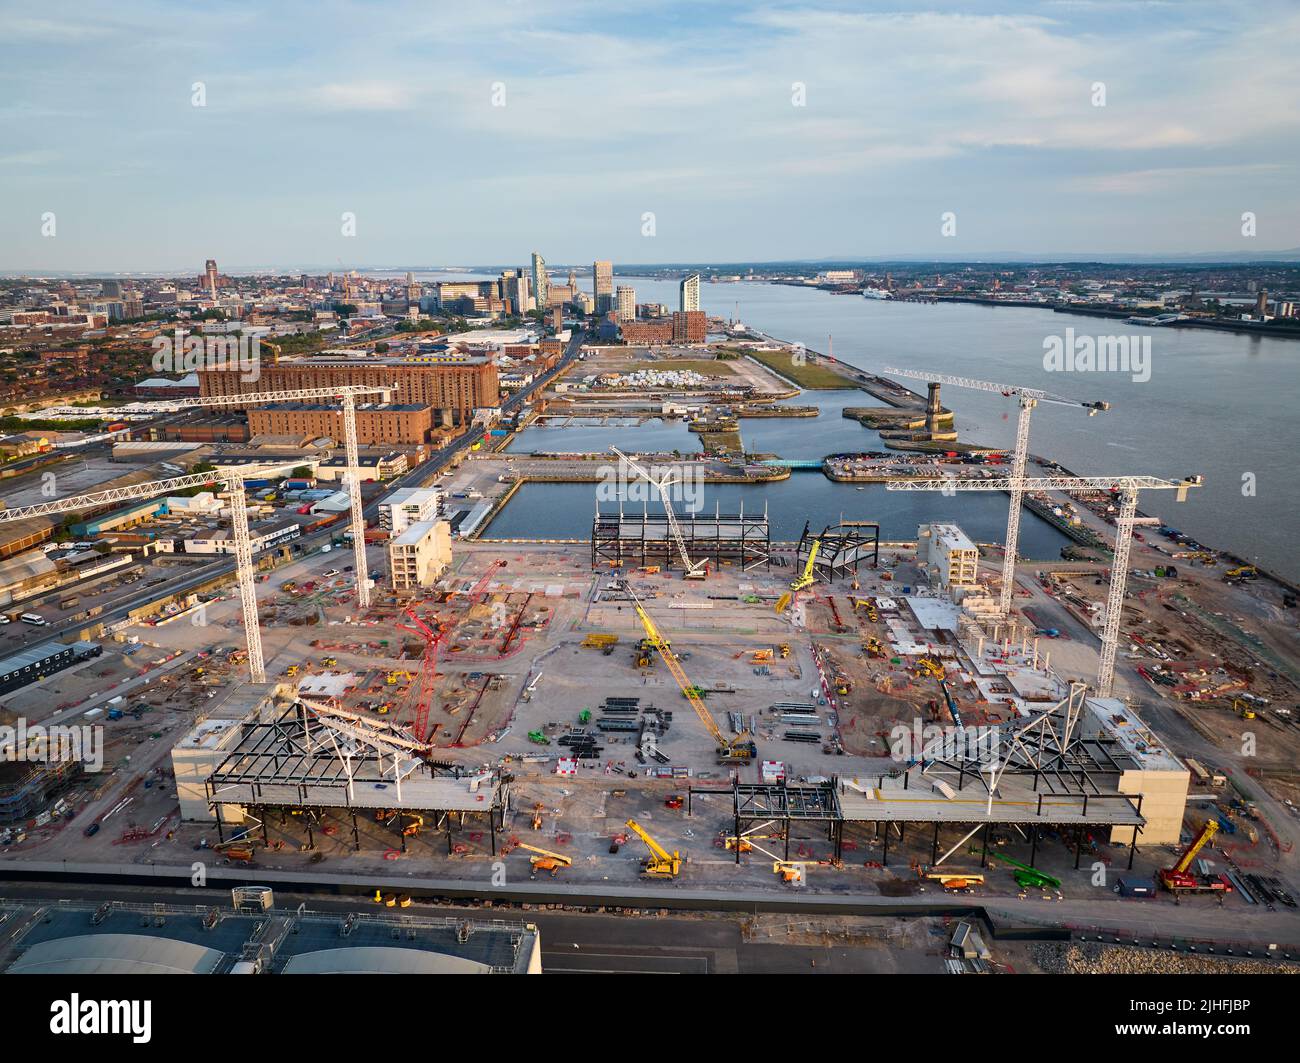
[690,289]
[626,304]
[602,286]
[541,283]
[514,290]
[210,277]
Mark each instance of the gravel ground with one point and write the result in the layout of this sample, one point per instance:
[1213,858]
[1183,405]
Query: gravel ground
[1059,957]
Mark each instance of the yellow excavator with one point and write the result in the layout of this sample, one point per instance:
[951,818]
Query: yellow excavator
[738,750]
[545,860]
[660,863]
[804,579]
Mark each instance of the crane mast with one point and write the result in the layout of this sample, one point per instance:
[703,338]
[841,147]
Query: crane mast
[1028,398]
[693,568]
[1127,487]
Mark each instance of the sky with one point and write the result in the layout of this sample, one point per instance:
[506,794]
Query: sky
[470,133]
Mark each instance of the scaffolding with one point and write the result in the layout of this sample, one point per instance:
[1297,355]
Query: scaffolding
[620,537]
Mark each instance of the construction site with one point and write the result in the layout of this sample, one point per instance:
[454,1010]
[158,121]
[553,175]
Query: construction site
[684,702]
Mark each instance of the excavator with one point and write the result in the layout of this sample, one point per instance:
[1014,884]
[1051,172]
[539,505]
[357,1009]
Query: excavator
[545,860]
[1178,879]
[804,579]
[660,863]
[738,750]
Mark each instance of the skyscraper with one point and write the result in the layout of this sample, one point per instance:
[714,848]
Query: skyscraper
[626,308]
[602,286]
[541,284]
[690,289]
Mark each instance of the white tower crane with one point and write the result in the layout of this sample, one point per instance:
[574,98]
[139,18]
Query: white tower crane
[348,393]
[1127,487]
[694,569]
[233,478]
[1029,398]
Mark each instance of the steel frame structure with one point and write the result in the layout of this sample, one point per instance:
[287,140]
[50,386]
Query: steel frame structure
[1126,486]
[647,537]
[843,548]
[761,804]
[312,747]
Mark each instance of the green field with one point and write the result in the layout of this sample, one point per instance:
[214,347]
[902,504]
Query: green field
[810,376]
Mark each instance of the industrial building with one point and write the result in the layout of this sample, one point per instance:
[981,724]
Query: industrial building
[262,536]
[385,424]
[34,663]
[459,385]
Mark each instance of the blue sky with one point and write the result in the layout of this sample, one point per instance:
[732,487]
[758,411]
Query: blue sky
[685,110]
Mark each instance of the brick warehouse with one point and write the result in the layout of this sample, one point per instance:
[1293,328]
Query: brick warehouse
[460,386]
[376,424]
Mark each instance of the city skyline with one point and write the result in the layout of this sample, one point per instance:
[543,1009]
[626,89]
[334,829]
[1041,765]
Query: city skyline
[688,134]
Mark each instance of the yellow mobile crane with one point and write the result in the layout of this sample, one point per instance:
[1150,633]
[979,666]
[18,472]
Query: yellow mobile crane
[804,579]
[738,750]
[660,862]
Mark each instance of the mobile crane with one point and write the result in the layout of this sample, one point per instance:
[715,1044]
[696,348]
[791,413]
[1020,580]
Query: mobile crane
[738,750]
[1178,879]
[801,581]
[660,863]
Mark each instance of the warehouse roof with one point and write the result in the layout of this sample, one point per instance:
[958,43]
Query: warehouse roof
[116,954]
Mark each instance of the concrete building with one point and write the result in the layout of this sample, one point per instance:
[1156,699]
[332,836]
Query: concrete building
[602,286]
[948,556]
[419,555]
[626,303]
[407,506]
[690,293]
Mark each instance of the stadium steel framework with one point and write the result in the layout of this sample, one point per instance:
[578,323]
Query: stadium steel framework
[311,758]
[1042,774]
[843,548]
[645,537]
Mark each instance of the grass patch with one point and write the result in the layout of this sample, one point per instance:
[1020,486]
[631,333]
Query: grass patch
[810,375]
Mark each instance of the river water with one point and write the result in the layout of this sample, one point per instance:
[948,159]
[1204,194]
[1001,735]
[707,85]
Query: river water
[1217,403]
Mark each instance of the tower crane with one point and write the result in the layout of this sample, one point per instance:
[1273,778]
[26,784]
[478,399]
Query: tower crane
[694,569]
[1028,399]
[738,750]
[348,394]
[433,639]
[660,863]
[233,479]
[1127,487]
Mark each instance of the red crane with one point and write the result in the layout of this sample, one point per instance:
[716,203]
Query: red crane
[433,638]
[476,594]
